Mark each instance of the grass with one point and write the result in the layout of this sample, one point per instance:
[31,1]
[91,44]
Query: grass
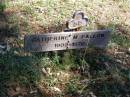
[85,72]
[2,6]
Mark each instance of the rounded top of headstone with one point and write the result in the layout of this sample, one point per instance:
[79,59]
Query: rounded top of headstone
[78,15]
[78,20]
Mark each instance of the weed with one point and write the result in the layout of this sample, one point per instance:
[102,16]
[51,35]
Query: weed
[2,7]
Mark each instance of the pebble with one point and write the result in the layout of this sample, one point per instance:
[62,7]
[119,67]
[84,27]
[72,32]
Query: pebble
[128,50]
[44,71]
[33,91]
[56,89]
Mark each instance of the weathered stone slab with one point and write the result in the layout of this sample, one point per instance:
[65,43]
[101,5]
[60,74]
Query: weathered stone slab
[66,40]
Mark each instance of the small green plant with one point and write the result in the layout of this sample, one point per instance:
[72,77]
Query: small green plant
[121,40]
[19,69]
[2,7]
[72,89]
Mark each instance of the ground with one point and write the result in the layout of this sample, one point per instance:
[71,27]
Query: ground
[89,72]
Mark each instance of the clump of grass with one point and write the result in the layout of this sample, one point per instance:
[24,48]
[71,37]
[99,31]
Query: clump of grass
[2,7]
[22,70]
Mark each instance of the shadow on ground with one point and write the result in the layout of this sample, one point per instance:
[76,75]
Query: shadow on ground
[107,69]
[108,72]
[15,69]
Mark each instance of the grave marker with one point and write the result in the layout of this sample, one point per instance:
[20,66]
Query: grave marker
[78,20]
[64,40]
[72,38]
